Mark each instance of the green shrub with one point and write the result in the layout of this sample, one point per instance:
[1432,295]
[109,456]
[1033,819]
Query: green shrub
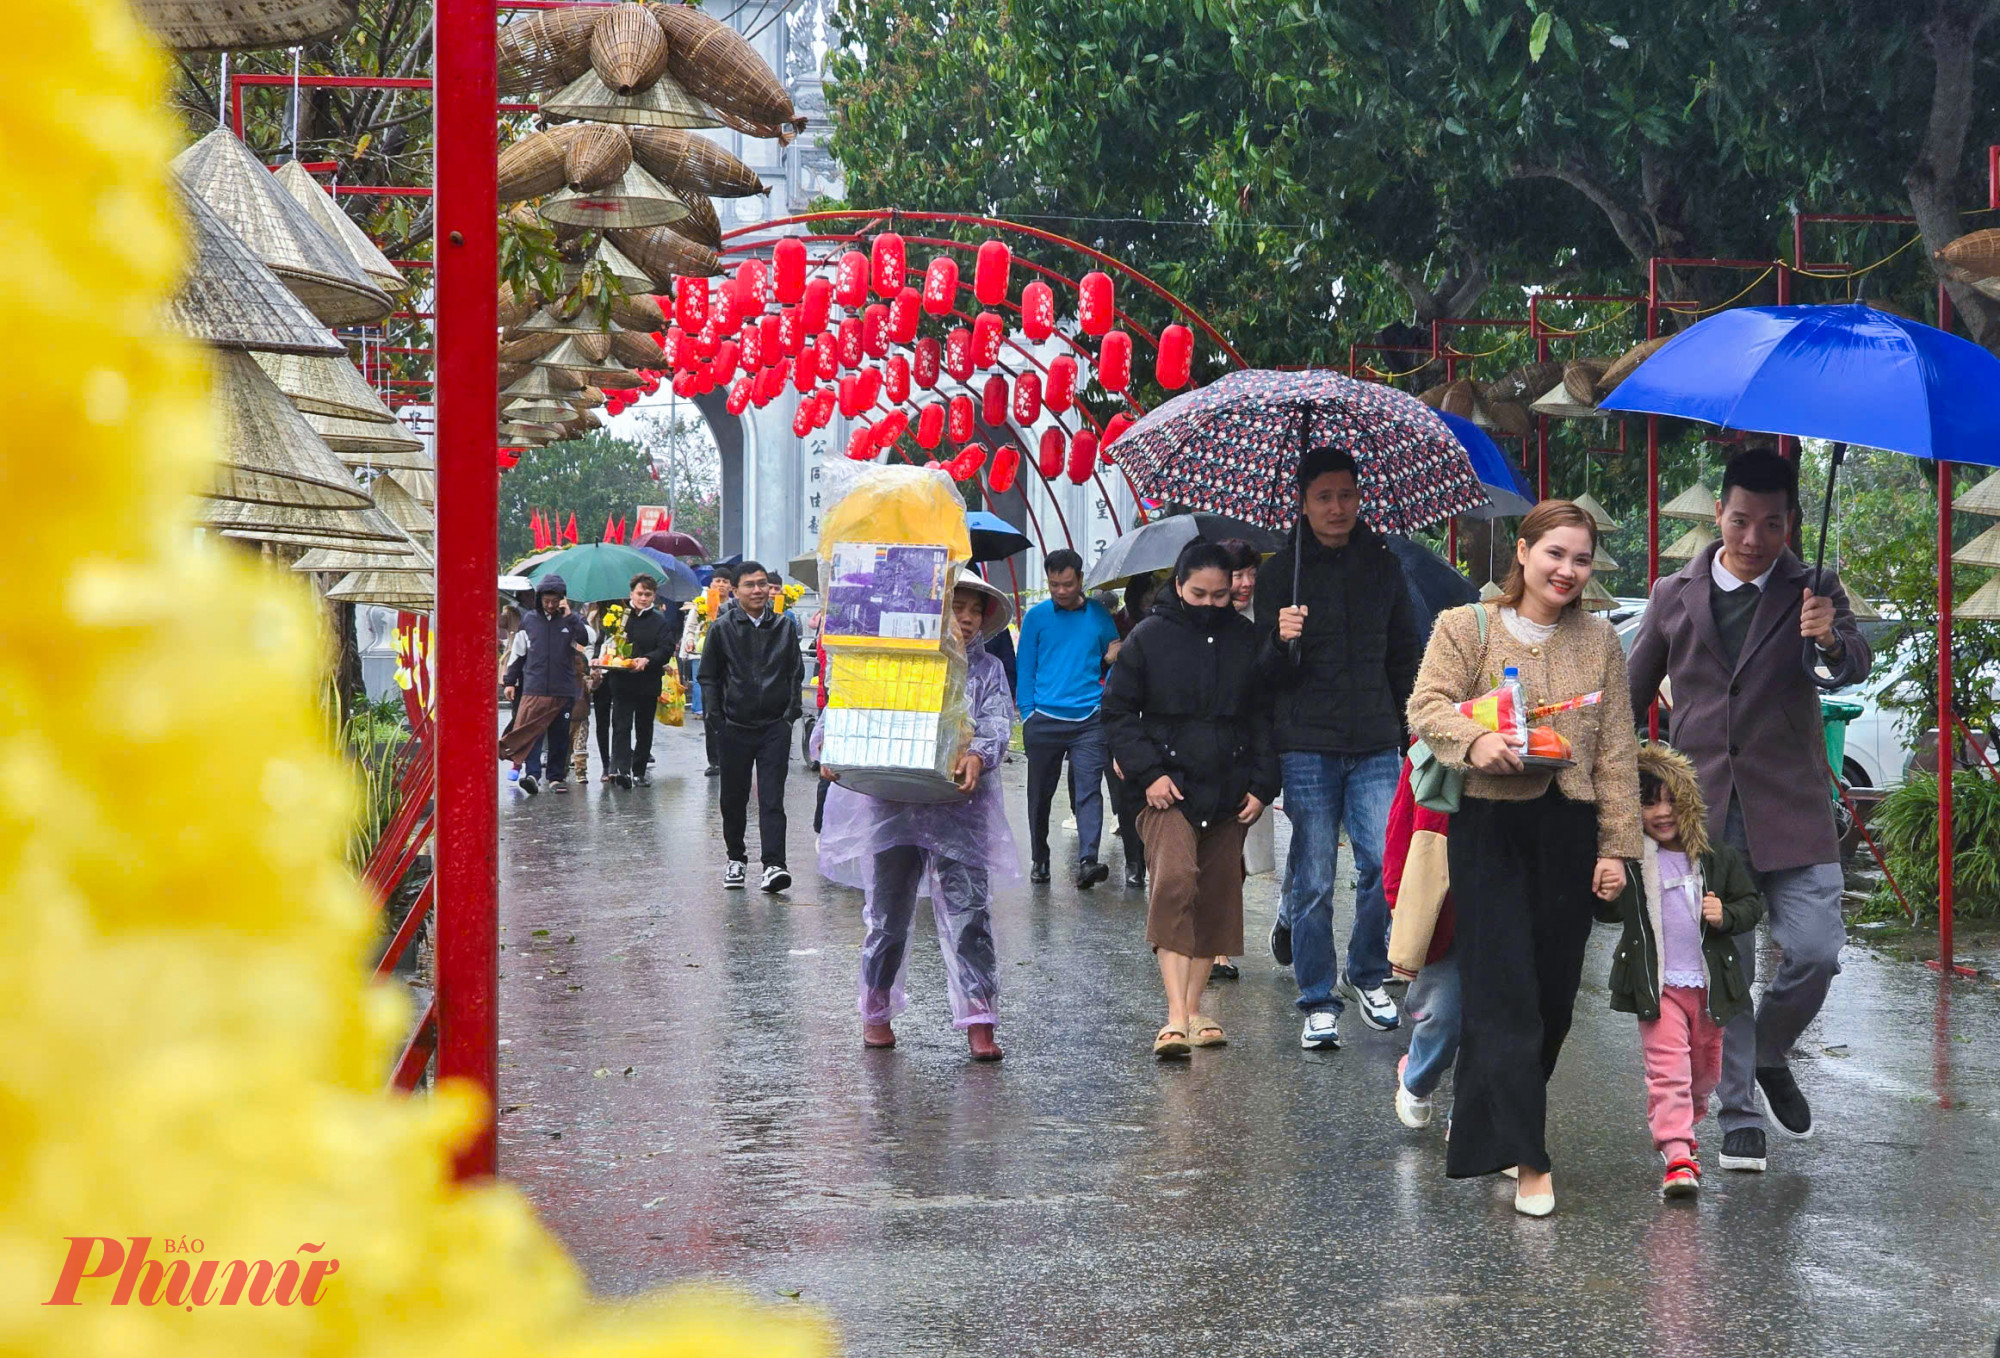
[1906,827]
[373,739]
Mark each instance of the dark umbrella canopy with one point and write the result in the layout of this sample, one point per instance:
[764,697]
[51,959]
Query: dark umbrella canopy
[1233,447]
[993,538]
[677,579]
[674,543]
[1434,584]
[1507,496]
[1156,546]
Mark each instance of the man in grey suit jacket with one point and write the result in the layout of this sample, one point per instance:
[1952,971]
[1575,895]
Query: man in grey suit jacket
[1748,640]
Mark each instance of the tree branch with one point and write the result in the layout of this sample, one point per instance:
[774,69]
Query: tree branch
[1932,180]
[1632,231]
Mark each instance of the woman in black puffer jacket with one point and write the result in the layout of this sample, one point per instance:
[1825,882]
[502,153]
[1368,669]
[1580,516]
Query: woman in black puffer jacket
[1189,724]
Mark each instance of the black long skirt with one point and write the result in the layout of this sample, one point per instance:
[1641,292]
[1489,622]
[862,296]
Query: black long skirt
[1521,877]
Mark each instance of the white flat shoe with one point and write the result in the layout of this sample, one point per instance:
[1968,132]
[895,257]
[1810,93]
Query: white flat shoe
[1534,1204]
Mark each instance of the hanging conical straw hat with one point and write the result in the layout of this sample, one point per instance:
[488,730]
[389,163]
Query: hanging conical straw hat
[404,509]
[1982,605]
[527,435]
[1602,562]
[275,458]
[369,443]
[541,383]
[299,526]
[409,557]
[1696,504]
[421,485]
[243,25]
[1983,550]
[1558,403]
[545,51]
[693,165]
[1598,513]
[665,254]
[635,200]
[407,591]
[1861,608]
[220,171]
[662,104]
[547,322]
[1489,590]
[630,276]
[536,410]
[1596,597]
[229,299]
[322,208]
[569,356]
[1684,547]
[326,386]
[1983,498]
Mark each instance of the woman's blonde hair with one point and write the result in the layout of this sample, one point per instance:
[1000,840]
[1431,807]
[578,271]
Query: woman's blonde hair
[1540,522]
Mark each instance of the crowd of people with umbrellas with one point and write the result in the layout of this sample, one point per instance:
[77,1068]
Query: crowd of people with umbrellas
[1481,759]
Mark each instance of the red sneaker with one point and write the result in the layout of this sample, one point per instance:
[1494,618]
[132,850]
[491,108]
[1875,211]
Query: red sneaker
[979,1037]
[1682,1179]
[877,1035]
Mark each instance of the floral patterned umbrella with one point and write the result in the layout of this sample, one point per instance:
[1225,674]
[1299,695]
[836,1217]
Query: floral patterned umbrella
[1233,447]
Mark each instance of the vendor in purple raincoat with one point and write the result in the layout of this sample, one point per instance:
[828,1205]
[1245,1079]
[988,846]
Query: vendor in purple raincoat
[898,851]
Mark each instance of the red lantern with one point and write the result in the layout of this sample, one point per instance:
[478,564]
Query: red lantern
[806,372]
[802,419]
[890,428]
[750,346]
[705,381]
[708,336]
[1095,303]
[1027,398]
[739,396]
[728,308]
[968,462]
[958,353]
[1114,429]
[680,354]
[770,343]
[929,362]
[683,387]
[1082,456]
[791,331]
[1038,311]
[788,265]
[1049,460]
[930,424]
[869,385]
[896,379]
[861,444]
[1176,357]
[768,384]
[885,259]
[1061,393]
[989,275]
[941,285]
[1114,361]
[829,355]
[849,343]
[993,400]
[1006,466]
[725,360]
[988,329]
[850,396]
[958,422]
[904,314]
[691,302]
[875,330]
[750,283]
[850,279]
[825,401]
[816,305]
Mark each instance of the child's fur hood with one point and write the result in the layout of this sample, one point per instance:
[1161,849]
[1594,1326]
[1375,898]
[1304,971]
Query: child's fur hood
[1676,773]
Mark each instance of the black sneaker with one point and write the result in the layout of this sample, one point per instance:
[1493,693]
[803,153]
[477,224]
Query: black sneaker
[1788,1106]
[1039,873]
[712,771]
[1135,878]
[1089,873]
[1281,942]
[776,878]
[529,784]
[642,779]
[733,874]
[1744,1149]
[1223,971]
[621,779]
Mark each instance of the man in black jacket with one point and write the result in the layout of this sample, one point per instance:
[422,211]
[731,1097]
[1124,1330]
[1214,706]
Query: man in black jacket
[1340,650]
[650,638]
[752,673]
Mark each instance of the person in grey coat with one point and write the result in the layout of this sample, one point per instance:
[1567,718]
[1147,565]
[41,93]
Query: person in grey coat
[1749,639]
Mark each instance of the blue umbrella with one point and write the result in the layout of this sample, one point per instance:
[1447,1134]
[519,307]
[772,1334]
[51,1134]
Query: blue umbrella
[993,538]
[678,581]
[1850,374]
[1509,496]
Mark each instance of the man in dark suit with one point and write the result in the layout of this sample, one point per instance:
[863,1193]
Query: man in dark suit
[1748,639]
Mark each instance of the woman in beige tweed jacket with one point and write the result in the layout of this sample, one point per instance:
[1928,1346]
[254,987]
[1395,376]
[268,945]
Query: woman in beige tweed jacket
[1528,847]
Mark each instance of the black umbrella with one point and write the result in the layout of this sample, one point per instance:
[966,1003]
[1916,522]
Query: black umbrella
[1156,546]
[1434,584]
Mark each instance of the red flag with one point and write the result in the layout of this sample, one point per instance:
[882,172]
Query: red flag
[569,533]
[610,529]
[535,528]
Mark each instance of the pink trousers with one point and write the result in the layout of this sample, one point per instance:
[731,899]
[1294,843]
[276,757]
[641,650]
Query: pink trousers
[1683,1051]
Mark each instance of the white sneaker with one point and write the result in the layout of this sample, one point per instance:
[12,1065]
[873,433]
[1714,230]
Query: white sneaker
[775,878]
[1322,1032]
[1378,1011]
[735,874]
[1411,1111]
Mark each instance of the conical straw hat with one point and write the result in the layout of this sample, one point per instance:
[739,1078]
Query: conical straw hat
[1982,605]
[1557,402]
[339,560]
[1983,498]
[403,509]
[636,199]
[326,386]
[322,208]
[665,103]
[542,383]
[302,527]
[1862,608]
[422,485]
[569,357]
[411,592]
[1598,514]
[229,299]
[1684,547]
[275,458]
[1596,597]
[1696,504]
[243,25]
[547,322]
[1602,562]
[367,443]
[1983,550]
[537,410]
[630,276]
[220,171]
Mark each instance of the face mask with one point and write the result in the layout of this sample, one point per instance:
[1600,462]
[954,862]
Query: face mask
[1209,617]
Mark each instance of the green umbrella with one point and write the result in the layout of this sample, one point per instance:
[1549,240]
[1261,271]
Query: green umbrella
[597,571]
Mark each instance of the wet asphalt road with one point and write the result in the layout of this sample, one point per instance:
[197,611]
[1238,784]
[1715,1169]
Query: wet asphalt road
[686,1096]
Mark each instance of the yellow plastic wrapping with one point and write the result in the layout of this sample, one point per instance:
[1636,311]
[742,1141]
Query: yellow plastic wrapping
[875,503]
[191,1053]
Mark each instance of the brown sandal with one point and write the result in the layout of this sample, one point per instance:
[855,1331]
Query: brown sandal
[1171,1041]
[1198,1025]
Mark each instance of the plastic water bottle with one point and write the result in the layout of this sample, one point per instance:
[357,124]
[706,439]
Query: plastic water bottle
[1511,681]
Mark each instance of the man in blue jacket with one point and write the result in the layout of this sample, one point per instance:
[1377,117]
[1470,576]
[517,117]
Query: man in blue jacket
[1066,642]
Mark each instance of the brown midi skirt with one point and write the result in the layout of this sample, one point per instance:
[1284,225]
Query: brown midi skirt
[1194,899]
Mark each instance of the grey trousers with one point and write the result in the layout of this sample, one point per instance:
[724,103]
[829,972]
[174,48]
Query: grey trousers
[1805,923]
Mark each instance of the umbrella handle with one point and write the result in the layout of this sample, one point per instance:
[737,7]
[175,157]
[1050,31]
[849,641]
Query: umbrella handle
[1838,455]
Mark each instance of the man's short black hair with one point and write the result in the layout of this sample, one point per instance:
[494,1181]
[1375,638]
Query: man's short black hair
[725,573]
[1320,461]
[642,578]
[1762,472]
[1060,560]
[751,568]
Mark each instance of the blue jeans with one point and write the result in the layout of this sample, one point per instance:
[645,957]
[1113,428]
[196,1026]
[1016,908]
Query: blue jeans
[1432,1008]
[556,742]
[1323,791]
[1048,739]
